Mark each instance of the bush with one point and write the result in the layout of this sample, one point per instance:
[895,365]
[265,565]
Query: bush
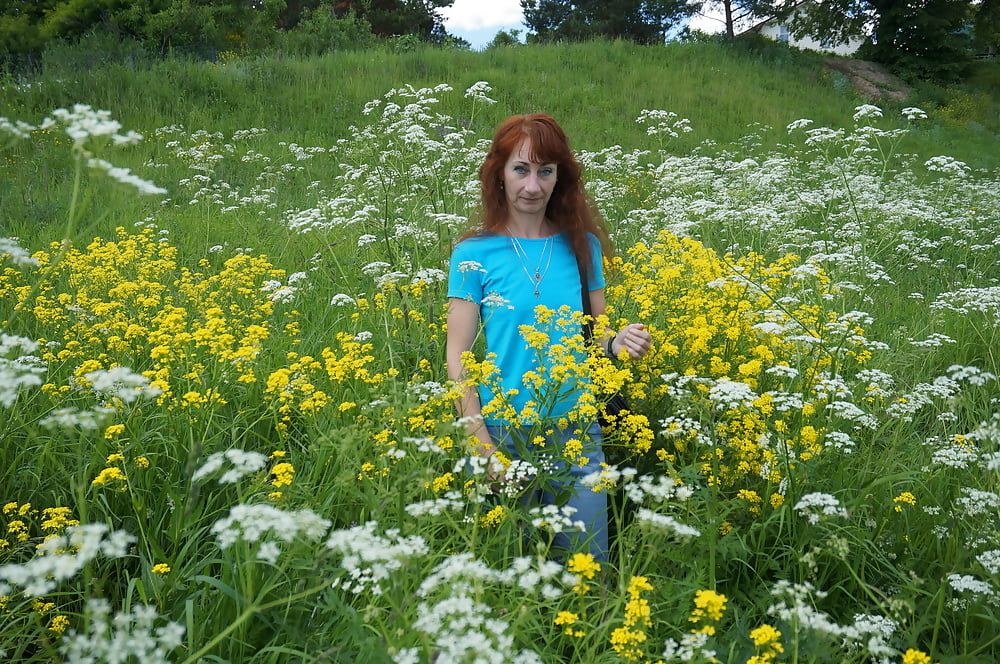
[321,31]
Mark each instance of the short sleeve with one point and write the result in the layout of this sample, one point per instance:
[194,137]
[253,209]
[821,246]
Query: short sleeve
[465,275]
[596,277]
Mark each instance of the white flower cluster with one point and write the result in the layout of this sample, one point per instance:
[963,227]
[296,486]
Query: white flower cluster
[663,123]
[242,462]
[947,165]
[125,176]
[728,394]
[61,557]
[254,523]
[450,501]
[83,122]
[691,648]
[795,605]
[656,489]
[815,506]
[866,112]
[985,300]
[954,456]
[23,372]
[342,300]
[968,590]
[122,637]
[990,560]
[975,502]
[121,383]
[370,558]
[13,251]
[666,523]
[480,90]
[556,518]
[73,418]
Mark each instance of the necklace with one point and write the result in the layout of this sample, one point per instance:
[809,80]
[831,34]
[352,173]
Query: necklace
[522,258]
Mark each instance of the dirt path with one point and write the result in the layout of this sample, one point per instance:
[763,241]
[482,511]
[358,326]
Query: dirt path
[870,79]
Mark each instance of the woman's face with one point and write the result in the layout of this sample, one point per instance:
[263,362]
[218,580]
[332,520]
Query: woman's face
[527,184]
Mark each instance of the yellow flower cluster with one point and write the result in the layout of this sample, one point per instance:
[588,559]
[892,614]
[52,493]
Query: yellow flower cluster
[904,500]
[586,568]
[914,656]
[566,620]
[727,319]
[19,517]
[767,640]
[494,517]
[627,640]
[708,609]
[128,297]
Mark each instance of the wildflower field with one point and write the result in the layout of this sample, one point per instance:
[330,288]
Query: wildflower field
[227,432]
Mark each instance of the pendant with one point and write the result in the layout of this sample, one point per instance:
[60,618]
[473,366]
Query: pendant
[537,292]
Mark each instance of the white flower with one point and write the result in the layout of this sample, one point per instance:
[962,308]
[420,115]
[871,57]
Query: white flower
[342,300]
[121,383]
[470,266]
[13,251]
[815,506]
[666,523]
[61,557]
[128,636]
[798,124]
[369,559]
[243,463]
[125,176]
[867,112]
[913,113]
[261,523]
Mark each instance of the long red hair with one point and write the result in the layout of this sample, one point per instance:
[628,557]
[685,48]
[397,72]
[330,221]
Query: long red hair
[569,208]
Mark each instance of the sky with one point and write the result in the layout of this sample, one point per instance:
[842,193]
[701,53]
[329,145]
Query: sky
[479,20]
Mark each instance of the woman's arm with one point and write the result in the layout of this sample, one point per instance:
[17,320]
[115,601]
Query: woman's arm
[633,337]
[463,325]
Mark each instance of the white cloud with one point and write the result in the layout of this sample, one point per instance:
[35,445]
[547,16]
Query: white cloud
[482,14]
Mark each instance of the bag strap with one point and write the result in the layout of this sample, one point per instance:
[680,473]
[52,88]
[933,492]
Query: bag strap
[588,327]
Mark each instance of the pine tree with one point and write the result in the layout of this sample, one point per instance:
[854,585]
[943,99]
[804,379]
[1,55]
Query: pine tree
[644,21]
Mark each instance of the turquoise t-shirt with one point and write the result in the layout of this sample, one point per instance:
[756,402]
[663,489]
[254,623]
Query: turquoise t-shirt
[487,270]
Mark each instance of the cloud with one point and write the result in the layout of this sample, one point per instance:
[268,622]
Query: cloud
[482,14]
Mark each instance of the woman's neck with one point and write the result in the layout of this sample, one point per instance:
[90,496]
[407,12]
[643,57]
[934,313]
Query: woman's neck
[530,228]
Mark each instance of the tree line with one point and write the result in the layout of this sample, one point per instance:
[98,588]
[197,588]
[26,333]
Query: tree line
[26,26]
[928,38]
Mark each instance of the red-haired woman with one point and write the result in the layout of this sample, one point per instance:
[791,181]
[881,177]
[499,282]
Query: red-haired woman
[536,234]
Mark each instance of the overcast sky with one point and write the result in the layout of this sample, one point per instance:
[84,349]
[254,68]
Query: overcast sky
[478,20]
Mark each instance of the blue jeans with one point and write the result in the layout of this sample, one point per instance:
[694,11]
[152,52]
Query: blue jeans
[591,507]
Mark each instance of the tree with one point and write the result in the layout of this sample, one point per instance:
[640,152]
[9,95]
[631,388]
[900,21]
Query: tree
[391,18]
[643,21]
[736,11]
[928,38]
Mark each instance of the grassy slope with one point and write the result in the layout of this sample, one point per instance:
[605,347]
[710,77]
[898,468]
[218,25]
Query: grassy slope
[595,89]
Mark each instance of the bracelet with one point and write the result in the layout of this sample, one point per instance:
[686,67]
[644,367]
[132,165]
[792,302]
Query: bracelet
[608,351]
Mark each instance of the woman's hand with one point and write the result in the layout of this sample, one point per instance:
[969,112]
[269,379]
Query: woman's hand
[633,338]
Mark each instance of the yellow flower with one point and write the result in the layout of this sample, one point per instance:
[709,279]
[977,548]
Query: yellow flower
[904,500]
[113,430]
[58,624]
[283,474]
[913,656]
[57,518]
[494,517]
[108,475]
[764,635]
[776,500]
[442,483]
[142,462]
[115,458]
[160,568]
[708,605]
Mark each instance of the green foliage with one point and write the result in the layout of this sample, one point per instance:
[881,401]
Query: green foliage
[924,40]
[505,39]
[643,21]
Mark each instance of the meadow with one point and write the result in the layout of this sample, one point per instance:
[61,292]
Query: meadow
[228,434]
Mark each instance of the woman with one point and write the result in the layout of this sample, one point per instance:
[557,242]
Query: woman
[537,233]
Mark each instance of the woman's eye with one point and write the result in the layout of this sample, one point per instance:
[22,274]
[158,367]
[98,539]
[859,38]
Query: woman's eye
[520,169]
[546,171]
